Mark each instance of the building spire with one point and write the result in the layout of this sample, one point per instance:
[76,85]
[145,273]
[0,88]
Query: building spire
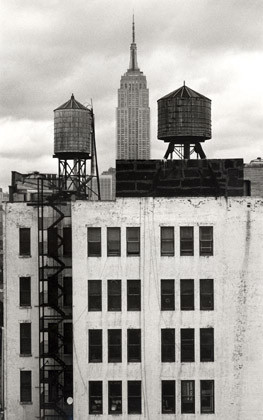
[133,49]
[133,30]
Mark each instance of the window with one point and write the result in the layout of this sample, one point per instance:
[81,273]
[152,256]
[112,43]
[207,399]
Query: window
[167,295]
[67,242]
[133,240]
[187,295]
[95,397]
[113,242]
[207,397]
[206,294]
[52,385]
[52,242]
[25,386]
[67,291]
[24,291]
[68,382]
[168,397]
[134,397]
[167,241]
[186,240]
[115,397]
[114,295]
[133,295]
[206,240]
[188,345]
[25,338]
[168,345]
[52,337]
[187,396]
[24,241]
[94,242]
[114,346]
[53,291]
[95,346]
[134,345]
[206,344]
[94,295]
[68,338]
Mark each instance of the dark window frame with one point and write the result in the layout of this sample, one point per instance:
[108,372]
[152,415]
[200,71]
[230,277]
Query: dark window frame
[206,344]
[25,291]
[134,345]
[206,296]
[95,346]
[115,397]
[95,395]
[114,290]
[113,245]
[52,386]
[133,297]
[207,395]
[52,292]
[206,241]
[187,296]
[134,397]
[94,296]
[114,346]
[67,292]
[25,339]
[187,397]
[67,241]
[94,244]
[133,242]
[25,386]
[187,345]
[52,241]
[24,242]
[53,337]
[186,241]
[168,345]
[168,397]
[68,337]
[167,296]
[167,242]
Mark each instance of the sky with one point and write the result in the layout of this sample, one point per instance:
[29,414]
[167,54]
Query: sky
[50,49]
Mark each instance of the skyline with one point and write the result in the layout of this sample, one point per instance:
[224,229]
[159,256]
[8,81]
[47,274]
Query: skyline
[50,51]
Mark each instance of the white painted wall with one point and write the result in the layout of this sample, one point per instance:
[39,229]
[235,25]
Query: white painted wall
[19,215]
[237,270]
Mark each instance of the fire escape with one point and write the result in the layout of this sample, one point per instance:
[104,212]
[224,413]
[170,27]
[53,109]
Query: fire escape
[55,305]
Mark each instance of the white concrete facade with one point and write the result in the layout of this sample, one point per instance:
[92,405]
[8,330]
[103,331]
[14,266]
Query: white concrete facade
[237,318]
[236,268]
[19,215]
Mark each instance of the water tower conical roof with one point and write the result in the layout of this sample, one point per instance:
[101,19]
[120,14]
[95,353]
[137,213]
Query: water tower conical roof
[184,92]
[72,104]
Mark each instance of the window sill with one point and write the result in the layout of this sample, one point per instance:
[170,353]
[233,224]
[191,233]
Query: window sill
[25,307]
[25,256]
[113,255]
[25,355]
[26,402]
[167,255]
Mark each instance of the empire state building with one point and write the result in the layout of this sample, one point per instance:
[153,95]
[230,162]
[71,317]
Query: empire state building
[133,112]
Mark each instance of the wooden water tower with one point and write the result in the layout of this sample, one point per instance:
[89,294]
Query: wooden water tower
[184,121]
[74,146]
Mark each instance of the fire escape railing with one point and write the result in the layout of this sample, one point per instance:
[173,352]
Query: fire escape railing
[55,366]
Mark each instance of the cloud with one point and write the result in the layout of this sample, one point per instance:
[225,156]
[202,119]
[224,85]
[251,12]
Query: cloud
[51,49]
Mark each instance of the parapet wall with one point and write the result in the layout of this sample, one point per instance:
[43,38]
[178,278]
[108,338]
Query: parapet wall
[179,178]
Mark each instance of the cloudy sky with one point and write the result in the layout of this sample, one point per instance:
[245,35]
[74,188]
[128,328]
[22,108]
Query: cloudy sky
[52,48]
